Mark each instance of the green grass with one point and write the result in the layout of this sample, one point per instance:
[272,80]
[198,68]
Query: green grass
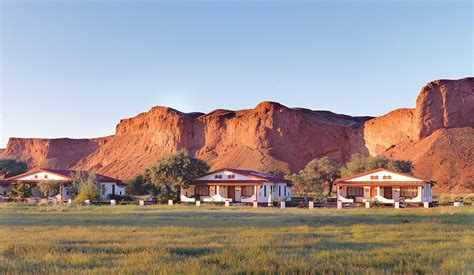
[186,239]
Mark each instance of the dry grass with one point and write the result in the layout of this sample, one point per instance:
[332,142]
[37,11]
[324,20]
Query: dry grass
[180,239]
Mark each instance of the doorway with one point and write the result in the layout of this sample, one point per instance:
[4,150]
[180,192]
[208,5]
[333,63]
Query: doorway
[231,192]
[373,191]
[387,192]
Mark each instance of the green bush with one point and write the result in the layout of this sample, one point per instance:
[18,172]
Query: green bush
[87,185]
[120,197]
[87,193]
[319,198]
[164,197]
[469,198]
[21,190]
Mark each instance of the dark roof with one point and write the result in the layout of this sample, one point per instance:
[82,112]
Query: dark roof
[66,173]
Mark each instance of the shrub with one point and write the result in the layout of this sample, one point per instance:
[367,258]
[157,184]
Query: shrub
[48,188]
[164,197]
[87,185]
[444,198]
[469,198]
[21,190]
[87,193]
[120,197]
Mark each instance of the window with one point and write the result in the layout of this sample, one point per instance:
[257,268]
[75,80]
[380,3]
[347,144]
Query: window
[355,191]
[247,191]
[202,190]
[45,176]
[218,176]
[408,192]
[264,190]
[387,177]
[286,193]
[103,189]
[231,176]
[36,176]
[279,190]
[374,177]
[120,193]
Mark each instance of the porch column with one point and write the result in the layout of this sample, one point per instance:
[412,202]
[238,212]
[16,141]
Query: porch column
[396,194]
[270,196]
[338,193]
[366,192]
[378,190]
[420,194]
[255,192]
[217,190]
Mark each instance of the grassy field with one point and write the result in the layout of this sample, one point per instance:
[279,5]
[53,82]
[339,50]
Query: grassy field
[186,239]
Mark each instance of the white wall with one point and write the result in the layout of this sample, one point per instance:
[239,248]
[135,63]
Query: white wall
[223,191]
[274,196]
[42,176]
[380,174]
[225,176]
[107,188]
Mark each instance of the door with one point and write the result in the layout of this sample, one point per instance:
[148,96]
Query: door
[387,192]
[231,192]
[373,192]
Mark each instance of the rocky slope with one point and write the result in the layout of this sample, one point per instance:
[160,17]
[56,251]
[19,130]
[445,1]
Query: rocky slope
[437,136]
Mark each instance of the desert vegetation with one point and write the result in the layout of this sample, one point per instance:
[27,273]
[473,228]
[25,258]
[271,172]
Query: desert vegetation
[317,178]
[11,167]
[211,239]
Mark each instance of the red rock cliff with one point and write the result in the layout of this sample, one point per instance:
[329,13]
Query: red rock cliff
[445,104]
[437,136]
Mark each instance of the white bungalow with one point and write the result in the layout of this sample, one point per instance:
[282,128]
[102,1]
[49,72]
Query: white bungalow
[109,185]
[237,185]
[384,186]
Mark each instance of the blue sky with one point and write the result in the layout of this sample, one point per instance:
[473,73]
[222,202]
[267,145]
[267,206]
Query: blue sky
[75,68]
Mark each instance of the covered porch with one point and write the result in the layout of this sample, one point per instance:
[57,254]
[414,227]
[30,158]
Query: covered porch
[211,192]
[381,193]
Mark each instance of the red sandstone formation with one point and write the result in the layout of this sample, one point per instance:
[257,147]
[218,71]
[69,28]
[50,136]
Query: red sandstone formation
[438,136]
[445,104]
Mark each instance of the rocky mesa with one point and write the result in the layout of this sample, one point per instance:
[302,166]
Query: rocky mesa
[437,135]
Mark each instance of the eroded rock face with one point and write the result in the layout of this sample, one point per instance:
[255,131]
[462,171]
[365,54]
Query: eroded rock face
[385,132]
[447,156]
[58,153]
[437,136]
[270,136]
[445,104]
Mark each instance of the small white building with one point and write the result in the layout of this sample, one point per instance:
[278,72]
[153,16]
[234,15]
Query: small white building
[237,185]
[385,187]
[109,185]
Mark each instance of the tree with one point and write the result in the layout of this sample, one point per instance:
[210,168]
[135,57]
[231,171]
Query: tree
[86,186]
[170,173]
[305,183]
[21,190]
[12,167]
[138,186]
[271,170]
[360,163]
[49,188]
[326,170]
